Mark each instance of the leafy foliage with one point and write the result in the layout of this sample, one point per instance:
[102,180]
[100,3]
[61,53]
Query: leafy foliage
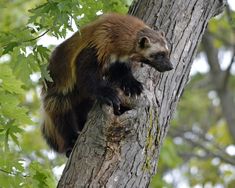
[25,160]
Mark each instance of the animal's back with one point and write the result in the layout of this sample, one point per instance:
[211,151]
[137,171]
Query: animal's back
[112,34]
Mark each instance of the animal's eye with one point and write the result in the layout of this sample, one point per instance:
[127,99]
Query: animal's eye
[159,55]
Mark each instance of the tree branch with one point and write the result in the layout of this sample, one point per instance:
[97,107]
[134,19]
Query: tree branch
[217,153]
[209,146]
[227,71]
[220,80]
[231,23]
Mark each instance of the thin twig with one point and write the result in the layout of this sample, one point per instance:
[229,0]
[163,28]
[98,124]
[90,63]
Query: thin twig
[30,39]
[4,171]
[37,36]
[13,174]
[219,152]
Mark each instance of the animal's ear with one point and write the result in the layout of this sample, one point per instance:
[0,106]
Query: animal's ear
[144,42]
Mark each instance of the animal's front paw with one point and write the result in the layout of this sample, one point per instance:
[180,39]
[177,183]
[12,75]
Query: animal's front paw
[131,87]
[109,96]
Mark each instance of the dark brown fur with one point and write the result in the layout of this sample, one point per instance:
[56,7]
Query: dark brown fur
[78,66]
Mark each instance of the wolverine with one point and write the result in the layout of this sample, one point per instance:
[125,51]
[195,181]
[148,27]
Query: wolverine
[90,66]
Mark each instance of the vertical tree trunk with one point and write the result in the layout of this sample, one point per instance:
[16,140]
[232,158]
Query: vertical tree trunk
[122,151]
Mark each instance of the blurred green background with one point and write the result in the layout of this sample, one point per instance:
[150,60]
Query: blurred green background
[199,150]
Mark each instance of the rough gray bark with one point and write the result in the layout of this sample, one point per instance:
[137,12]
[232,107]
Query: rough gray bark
[123,151]
[219,79]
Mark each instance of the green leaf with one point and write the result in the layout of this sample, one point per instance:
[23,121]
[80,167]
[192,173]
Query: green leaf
[10,108]
[9,47]
[8,80]
[45,73]
[23,67]
[41,176]
[43,52]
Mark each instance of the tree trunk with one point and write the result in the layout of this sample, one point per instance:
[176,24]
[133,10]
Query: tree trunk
[123,151]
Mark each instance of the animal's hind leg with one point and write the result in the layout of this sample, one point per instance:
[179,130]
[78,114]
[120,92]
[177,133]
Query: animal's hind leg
[66,125]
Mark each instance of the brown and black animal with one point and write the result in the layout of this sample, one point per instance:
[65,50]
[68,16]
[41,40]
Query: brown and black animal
[85,67]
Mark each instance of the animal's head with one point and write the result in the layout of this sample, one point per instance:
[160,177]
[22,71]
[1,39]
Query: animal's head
[152,49]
